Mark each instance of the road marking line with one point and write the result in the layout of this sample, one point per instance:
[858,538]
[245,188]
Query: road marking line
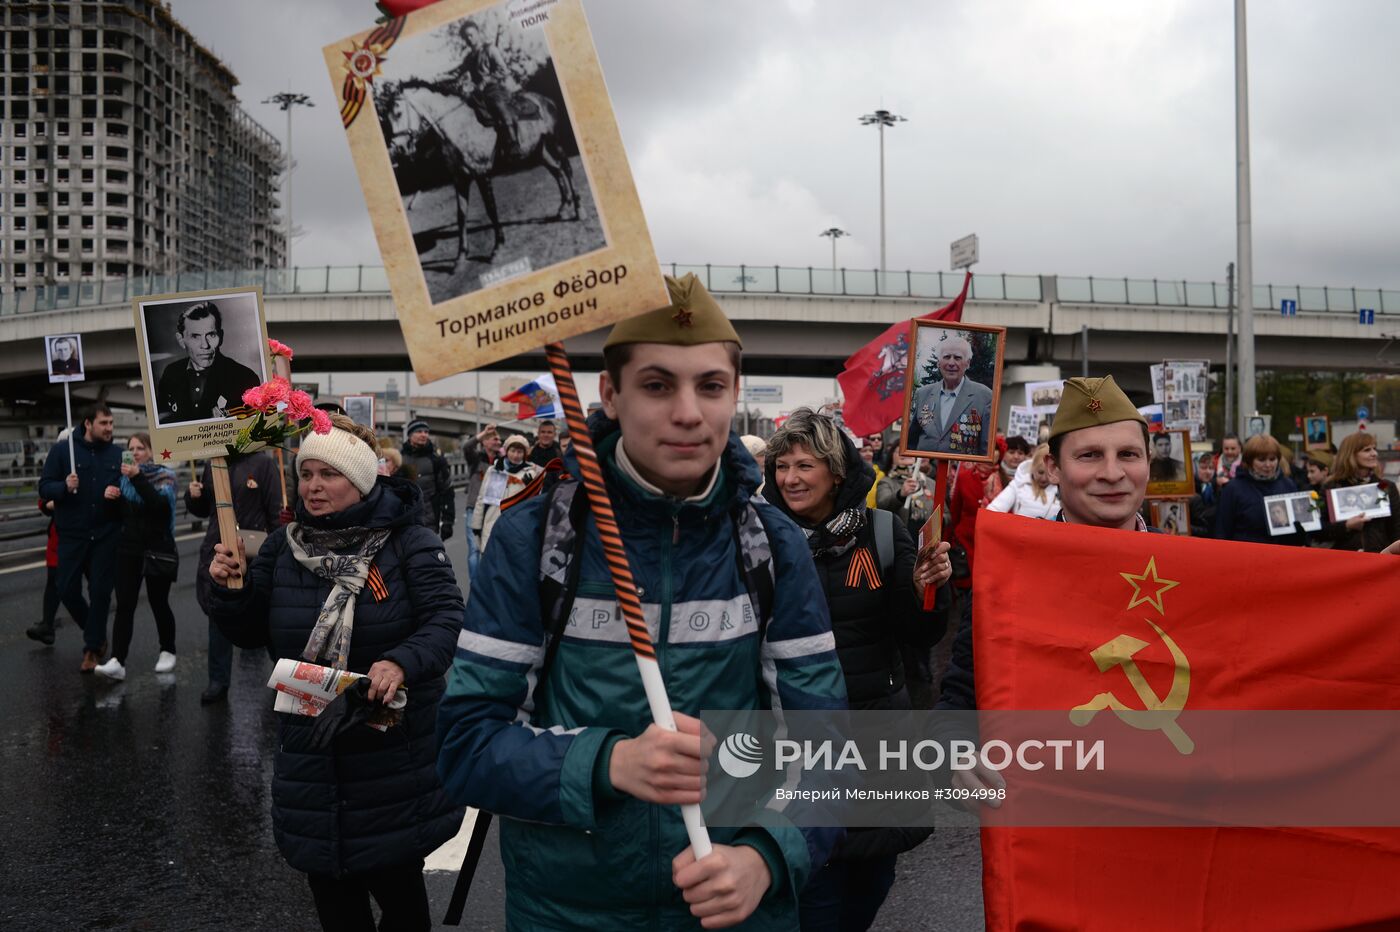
[42,563]
[449,856]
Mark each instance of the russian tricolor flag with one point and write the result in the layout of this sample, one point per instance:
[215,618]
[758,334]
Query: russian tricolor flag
[536,399]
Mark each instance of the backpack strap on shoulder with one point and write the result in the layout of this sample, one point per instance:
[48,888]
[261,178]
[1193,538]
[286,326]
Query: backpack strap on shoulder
[755,562]
[560,563]
[882,525]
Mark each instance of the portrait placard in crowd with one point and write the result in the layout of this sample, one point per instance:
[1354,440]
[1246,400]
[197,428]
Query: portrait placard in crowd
[1172,515]
[1317,431]
[952,390]
[360,409]
[1353,500]
[64,354]
[495,177]
[1169,458]
[199,352]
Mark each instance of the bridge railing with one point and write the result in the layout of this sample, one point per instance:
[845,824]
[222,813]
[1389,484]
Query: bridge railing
[742,279]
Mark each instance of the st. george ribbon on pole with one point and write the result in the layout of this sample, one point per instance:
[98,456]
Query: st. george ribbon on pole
[616,556]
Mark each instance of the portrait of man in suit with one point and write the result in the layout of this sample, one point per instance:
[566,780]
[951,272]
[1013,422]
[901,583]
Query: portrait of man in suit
[951,413]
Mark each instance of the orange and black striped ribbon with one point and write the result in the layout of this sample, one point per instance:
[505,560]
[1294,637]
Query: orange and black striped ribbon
[375,581]
[603,514]
[353,91]
[863,568]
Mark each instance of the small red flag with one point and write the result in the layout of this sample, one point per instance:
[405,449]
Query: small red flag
[873,380]
[1316,631]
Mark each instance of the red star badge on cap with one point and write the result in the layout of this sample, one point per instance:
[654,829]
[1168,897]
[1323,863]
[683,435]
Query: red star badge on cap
[165,454]
[1095,405]
[682,317]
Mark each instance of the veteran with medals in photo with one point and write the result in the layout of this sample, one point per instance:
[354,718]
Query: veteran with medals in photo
[953,415]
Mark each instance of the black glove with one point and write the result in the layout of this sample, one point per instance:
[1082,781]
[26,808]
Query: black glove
[445,532]
[350,708]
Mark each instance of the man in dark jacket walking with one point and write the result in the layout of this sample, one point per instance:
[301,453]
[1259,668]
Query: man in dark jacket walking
[546,448]
[434,479]
[86,493]
[257,502]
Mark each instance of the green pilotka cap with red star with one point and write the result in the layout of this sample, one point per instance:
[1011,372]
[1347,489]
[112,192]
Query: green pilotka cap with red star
[693,317]
[1092,403]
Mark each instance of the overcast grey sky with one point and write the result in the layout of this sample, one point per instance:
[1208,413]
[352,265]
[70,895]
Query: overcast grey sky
[1087,138]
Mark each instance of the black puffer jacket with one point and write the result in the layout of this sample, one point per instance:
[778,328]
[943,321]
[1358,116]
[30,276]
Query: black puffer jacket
[869,623]
[372,800]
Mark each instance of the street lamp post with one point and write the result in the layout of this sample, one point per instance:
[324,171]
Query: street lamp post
[881,119]
[1244,227]
[833,233]
[286,101]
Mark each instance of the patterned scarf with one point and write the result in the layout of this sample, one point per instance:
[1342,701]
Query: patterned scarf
[343,556]
[837,535]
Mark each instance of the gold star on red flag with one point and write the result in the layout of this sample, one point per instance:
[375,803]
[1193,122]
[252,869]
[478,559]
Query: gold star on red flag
[1148,587]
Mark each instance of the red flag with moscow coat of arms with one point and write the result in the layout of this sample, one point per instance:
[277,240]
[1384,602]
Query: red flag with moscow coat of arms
[873,380]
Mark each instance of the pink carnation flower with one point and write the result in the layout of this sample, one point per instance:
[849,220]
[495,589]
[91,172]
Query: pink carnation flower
[279,349]
[320,421]
[299,406]
[254,398]
[276,390]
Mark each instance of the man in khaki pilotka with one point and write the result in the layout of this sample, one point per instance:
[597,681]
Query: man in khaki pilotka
[1098,457]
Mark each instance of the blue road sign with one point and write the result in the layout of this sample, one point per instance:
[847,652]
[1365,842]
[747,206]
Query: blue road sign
[1367,315]
[1363,413]
[1288,307]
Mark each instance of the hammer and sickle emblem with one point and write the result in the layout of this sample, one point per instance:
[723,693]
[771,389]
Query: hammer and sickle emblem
[1159,714]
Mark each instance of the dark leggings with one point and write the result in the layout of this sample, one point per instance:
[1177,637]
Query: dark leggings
[129,576]
[343,902]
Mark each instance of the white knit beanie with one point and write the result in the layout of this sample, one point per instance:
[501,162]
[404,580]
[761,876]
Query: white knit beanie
[345,452]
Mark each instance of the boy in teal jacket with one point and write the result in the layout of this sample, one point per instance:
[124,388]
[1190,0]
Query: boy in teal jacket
[587,787]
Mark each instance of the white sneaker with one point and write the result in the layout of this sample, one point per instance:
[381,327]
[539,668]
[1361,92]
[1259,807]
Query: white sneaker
[166,662]
[112,669]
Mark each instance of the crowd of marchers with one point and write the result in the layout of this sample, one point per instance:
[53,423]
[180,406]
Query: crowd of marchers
[781,573]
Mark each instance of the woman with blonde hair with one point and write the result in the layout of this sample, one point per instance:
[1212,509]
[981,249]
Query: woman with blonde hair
[1030,492]
[1358,463]
[1241,514]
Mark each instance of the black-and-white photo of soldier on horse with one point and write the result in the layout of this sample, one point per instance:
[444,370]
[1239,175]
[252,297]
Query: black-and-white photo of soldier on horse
[476,105]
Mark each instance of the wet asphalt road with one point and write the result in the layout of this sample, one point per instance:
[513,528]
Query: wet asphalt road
[131,806]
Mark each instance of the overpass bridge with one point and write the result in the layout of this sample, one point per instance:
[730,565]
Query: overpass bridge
[793,321]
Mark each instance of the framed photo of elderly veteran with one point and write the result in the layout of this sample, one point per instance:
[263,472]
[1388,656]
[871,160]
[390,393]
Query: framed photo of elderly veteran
[1169,464]
[952,390]
[199,351]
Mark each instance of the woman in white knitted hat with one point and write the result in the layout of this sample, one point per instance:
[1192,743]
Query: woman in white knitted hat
[508,476]
[355,583]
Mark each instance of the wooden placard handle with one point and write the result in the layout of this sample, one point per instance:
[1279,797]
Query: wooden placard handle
[223,511]
[282,366]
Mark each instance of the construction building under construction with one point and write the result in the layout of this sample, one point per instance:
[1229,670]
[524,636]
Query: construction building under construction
[124,151]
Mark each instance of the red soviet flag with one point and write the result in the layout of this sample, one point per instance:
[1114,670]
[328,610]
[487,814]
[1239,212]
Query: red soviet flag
[1240,627]
[873,380]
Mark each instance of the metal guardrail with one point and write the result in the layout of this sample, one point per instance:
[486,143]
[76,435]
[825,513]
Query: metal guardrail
[742,279]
